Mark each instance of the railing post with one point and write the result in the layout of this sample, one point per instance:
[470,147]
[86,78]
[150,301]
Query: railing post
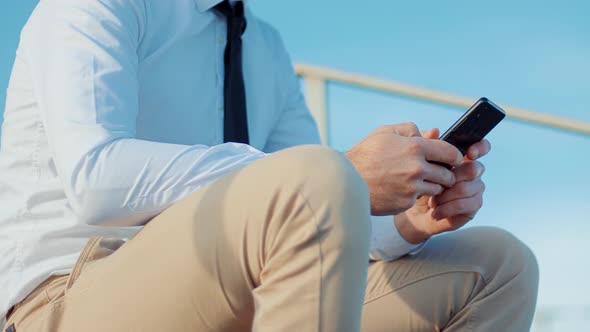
[315,95]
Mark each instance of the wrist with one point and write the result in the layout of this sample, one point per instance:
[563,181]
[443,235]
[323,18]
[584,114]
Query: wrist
[407,230]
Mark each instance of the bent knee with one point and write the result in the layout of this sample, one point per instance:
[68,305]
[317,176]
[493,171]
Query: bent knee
[332,187]
[507,258]
[326,170]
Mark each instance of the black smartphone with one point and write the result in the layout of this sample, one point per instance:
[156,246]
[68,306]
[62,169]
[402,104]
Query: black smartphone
[474,125]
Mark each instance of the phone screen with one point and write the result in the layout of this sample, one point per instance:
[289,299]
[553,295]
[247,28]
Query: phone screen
[474,125]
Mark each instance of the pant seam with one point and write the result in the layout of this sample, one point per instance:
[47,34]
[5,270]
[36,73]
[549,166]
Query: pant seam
[321,259]
[486,291]
[418,280]
[475,309]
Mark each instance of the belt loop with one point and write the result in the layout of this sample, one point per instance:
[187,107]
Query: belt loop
[90,246]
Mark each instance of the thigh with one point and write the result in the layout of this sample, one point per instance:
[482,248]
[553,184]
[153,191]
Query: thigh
[199,265]
[161,280]
[184,271]
[435,288]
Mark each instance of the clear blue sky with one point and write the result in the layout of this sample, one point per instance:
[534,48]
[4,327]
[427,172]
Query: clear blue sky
[534,54]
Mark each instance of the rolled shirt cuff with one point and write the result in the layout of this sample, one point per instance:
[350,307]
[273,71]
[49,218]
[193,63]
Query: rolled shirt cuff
[387,244]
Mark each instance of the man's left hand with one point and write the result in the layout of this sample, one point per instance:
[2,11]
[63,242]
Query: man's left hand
[454,207]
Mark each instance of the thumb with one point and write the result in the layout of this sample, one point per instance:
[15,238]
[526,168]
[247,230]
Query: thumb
[430,134]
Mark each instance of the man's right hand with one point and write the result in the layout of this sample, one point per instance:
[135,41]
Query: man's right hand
[393,160]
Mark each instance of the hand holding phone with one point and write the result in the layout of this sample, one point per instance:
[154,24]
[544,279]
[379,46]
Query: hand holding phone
[473,126]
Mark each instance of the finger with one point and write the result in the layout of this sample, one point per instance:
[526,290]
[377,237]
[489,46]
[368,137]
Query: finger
[439,175]
[479,149]
[441,151]
[431,202]
[460,190]
[468,170]
[425,188]
[464,206]
[431,134]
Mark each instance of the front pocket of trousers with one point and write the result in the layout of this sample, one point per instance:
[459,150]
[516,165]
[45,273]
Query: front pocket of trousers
[88,266]
[55,290]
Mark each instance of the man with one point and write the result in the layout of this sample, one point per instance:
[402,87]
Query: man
[154,177]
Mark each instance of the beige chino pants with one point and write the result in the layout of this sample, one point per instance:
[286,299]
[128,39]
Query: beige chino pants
[282,245]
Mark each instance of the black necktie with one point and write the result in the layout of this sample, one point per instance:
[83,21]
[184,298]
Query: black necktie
[235,123]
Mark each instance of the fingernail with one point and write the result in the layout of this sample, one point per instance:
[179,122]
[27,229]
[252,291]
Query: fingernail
[475,152]
[479,171]
[452,181]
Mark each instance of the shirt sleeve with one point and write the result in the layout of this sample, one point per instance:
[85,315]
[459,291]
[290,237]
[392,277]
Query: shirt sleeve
[83,63]
[387,244]
[295,124]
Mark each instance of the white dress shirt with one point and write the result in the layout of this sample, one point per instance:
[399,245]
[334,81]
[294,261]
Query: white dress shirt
[115,112]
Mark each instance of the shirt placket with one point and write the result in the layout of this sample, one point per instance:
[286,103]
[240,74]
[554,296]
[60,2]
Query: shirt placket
[220,42]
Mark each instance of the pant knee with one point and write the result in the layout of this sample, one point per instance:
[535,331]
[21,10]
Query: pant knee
[333,187]
[509,260]
[329,173]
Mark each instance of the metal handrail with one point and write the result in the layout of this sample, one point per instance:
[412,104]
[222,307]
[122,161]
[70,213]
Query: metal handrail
[316,77]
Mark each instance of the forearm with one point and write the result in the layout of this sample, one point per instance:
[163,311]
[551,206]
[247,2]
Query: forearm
[129,181]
